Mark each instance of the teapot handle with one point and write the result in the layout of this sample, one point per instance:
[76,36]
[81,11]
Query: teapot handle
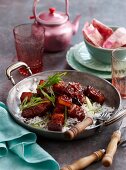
[35,13]
[34,9]
[67,8]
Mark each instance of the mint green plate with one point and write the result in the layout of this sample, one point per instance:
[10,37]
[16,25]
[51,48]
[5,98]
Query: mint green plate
[79,67]
[82,56]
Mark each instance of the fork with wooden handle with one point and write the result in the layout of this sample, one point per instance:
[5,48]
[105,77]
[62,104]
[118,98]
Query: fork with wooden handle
[85,161]
[78,128]
[111,149]
[117,136]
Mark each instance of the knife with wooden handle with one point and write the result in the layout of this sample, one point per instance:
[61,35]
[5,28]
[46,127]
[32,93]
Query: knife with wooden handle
[112,146]
[78,128]
[85,161]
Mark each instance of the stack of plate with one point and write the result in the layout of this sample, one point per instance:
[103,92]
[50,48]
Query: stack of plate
[79,59]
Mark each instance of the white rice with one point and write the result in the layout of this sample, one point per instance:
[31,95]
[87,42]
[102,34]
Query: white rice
[41,122]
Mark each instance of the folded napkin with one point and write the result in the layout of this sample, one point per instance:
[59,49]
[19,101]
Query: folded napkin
[18,147]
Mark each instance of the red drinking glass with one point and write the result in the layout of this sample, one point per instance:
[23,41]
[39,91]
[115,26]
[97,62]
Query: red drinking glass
[29,43]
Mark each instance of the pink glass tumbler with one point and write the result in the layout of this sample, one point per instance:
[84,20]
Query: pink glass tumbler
[29,43]
[119,70]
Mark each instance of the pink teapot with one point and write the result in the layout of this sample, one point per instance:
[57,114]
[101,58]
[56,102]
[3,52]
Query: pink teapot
[58,28]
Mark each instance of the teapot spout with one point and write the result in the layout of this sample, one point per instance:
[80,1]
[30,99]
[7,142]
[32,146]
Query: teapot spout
[76,24]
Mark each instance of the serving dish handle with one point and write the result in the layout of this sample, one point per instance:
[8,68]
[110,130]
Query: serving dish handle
[120,115]
[15,66]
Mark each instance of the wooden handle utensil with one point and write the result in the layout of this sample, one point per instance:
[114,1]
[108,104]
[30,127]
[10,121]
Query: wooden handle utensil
[111,149]
[85,161]
[78,128]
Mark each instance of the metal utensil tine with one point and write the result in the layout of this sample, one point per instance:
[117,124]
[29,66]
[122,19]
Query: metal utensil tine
[105,114]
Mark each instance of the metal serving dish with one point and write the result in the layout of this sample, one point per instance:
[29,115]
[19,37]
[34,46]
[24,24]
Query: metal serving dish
[112,97]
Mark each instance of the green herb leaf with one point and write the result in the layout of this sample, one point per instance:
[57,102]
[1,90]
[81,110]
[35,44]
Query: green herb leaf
[54,79]
[92,108]
[89,104]
[33,102]
[51,98]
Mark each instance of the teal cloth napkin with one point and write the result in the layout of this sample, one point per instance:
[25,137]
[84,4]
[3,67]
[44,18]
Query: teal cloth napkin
[18,147]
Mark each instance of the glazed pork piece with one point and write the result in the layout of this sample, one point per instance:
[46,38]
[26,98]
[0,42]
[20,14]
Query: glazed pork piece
[72,90]
[59,108]
[59,88]
[65,100]
[58,116]
[38,110]
[76,111]
[26,95]
[75,91]
[94,94]
[55,126]
[56,123]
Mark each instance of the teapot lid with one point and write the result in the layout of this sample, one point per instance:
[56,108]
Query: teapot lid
[52,17]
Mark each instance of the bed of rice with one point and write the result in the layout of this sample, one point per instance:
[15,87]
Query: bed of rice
[95,110]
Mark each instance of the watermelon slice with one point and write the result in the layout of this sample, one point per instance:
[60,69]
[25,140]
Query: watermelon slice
[100,35]
[92,35]
[117,39]
[104,30]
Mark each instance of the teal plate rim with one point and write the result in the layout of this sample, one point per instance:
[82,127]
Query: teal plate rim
[79,67]
[82,56]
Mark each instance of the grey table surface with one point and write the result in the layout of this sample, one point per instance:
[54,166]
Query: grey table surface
[14,12]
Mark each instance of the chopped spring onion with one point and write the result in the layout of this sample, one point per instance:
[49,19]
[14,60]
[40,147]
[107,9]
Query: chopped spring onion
[54,79]
[89,104]
[50,98]
[33,102]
